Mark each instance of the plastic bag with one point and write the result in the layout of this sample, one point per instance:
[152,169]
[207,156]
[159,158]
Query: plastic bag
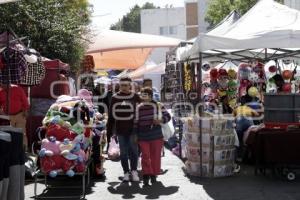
[113,150]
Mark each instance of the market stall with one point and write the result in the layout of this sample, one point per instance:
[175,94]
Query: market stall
[269,31]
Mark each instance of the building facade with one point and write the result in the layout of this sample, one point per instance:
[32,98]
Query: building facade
[202,9]
[293,4]
[192,25]
[169,22]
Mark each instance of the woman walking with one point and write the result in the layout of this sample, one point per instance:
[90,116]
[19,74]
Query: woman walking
[147,126]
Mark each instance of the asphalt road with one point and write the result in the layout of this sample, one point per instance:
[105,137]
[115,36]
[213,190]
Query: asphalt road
[174,185]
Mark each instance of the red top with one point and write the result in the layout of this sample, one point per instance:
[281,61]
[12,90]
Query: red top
[17,100]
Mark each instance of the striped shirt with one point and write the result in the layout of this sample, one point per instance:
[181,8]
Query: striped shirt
[143,124]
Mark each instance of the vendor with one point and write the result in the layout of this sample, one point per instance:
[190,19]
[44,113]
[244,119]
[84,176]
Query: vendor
[16,107]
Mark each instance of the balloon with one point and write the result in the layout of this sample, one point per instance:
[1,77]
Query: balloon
[232,74]
[232,103]
[272,69]
[253,92]
[287,87]
[214,74]
[243,65]
[287,74]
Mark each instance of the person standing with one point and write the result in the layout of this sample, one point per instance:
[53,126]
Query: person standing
[150,115]
[16,107]
[120,120]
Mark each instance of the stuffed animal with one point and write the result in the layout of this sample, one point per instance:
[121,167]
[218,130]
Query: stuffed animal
[60,132]
[50,147]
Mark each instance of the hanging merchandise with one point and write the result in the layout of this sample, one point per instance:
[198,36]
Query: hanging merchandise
[287,87]
[17,66]
[272,69]
[35,73]
[287,74]
[206,67]
[214,74]
[232,74]
[88,63]
[253,91]
[187,77]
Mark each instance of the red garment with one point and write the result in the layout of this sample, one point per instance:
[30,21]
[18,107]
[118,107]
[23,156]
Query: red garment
[151,156]
[17,100]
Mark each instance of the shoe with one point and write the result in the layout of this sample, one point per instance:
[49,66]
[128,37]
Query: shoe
[153,179]
[135,176]
[126,177]
[146,180]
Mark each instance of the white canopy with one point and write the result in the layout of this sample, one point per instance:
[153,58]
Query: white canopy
[123,50]
[267,25]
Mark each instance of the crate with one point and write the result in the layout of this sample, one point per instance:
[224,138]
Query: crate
[282,108]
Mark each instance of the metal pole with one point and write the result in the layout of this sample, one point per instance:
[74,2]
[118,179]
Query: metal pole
[199,81]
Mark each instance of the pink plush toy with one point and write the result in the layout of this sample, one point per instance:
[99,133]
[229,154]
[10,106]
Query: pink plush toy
[50,147]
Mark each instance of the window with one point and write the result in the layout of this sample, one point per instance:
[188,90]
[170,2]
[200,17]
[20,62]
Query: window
[173,30]
[163,30]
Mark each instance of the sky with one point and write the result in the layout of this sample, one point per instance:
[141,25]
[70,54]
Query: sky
[107,12]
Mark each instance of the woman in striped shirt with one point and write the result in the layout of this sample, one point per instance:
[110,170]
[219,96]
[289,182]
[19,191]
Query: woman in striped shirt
[149,116]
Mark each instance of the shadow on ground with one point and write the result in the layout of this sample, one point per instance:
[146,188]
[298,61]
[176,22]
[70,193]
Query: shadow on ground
[248,186]
[129,190]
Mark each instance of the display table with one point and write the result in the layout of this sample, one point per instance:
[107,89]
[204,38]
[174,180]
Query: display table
[275,148]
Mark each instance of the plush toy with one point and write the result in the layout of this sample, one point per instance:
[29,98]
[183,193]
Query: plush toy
[253,77]
[206,67]
[272,69]
[214,85]
[244,71]
[287,74]
[232,74]
[271,87]
[232,88]
[78,128]
[253,92]
[287,87]
[59,132]
[214,74]
[222,74]
[49,147]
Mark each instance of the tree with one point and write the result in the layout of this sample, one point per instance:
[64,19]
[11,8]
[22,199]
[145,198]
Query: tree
[219,9]
[131,22]
[56,28]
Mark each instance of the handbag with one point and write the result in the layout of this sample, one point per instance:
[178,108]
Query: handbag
[167,128]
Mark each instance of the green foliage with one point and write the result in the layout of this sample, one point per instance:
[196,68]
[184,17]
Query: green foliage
[131,22]
[219,9]
[55,28]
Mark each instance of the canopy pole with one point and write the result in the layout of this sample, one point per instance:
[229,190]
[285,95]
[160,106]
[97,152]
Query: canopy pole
[199,81]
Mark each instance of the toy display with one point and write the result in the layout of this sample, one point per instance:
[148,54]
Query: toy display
[67,146]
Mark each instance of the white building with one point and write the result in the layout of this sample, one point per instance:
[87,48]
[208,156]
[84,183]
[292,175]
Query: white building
[293,4]
[169,22]
[202,9]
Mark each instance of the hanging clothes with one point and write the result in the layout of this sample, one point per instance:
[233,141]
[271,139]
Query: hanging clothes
[15,66]
[14,166]
[35,73]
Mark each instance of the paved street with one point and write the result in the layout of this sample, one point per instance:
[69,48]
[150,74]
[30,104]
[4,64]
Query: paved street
[174,185]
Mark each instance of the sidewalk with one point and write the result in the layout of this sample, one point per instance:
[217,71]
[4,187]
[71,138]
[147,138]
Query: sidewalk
[175,186]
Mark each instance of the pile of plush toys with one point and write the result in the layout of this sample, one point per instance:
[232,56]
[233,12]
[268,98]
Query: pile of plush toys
[71,125]
[232,84]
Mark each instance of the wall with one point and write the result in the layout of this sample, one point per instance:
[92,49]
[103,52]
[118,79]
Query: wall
[293,3]
[202,8]
[169,22]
